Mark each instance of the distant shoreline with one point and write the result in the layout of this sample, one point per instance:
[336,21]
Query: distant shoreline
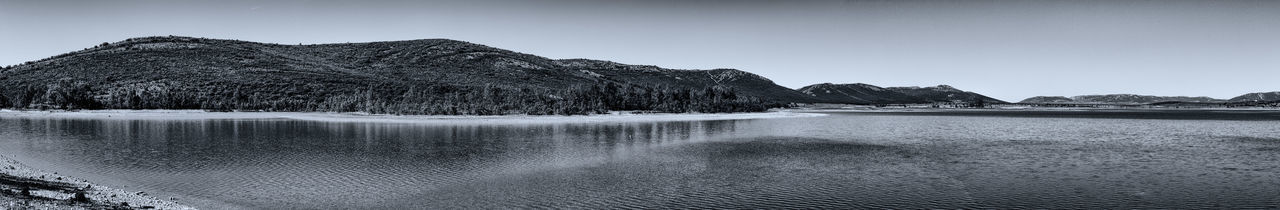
[923,108]
[1251,114]
[384,118]
[1029,109]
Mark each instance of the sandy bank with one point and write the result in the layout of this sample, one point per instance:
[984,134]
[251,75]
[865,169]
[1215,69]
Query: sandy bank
[362,117]
[52,191]
[1017,109]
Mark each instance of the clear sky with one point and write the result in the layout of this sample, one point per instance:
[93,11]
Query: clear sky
[1005,49]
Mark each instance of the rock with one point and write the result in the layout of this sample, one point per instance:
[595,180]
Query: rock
[79,197]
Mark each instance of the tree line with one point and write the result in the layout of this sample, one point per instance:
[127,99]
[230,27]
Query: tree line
[595,98]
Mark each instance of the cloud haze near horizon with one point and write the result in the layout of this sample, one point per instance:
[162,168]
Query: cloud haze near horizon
[1009,50]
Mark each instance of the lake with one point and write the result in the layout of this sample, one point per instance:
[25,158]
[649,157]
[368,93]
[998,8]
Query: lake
[960,159]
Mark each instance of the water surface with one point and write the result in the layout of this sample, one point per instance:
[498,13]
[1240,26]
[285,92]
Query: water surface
[1155,159]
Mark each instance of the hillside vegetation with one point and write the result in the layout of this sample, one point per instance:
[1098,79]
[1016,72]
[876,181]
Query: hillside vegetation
[1262,96]
[434,76]
[859,93]
[945,93]
[1046,99]
[1139,99]
[1262,99]
[1119,99]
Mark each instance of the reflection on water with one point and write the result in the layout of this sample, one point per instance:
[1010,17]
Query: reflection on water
[308,163]
[850,160]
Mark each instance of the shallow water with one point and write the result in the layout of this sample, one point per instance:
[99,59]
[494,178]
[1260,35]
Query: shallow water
[845,160]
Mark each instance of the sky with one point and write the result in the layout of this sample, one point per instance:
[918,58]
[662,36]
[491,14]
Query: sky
[1009,50]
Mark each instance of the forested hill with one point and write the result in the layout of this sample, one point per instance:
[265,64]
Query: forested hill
[1119,99]
[431,76]
[945,93]
[859,93]
[1260,96]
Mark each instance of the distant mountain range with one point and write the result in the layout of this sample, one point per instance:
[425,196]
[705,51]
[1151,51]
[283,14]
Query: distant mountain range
[447,76]
[1147,99]
[187,72]
[214,64]
[859,93]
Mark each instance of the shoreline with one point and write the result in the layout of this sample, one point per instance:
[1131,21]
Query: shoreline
[1016,109]
[48,190]
[384,118]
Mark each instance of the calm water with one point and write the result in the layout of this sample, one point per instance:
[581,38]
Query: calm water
[844,160]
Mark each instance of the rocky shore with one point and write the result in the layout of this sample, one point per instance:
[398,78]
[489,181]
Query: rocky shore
[22,187]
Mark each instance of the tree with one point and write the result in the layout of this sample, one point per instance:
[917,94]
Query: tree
[4,100]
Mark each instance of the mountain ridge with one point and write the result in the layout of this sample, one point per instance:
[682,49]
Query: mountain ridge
[222,67]
[856,93]
[1258,96]
[1147,99]
[204,70]
[418,52]
[945,93]
[861,93]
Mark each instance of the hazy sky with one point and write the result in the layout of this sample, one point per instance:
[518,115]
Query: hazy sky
[1005,49]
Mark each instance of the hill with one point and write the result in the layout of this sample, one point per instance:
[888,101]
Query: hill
[1046,99]
[857,93]
[1262,96]
[1138,99]
[945,93]
[454,77]
[1119,99]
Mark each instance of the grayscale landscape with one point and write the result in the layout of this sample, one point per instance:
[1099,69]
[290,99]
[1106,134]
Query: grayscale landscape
[566,104]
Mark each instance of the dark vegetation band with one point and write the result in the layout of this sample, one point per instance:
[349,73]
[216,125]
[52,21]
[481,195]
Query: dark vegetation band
[385,99]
